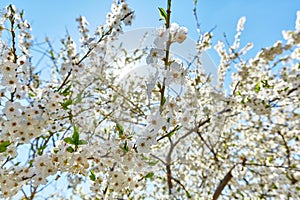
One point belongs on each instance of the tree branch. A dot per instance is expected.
(223, 183)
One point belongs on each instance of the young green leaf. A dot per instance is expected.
(78, 98)
(159, 85)
(120, 129)
(164, 101)
(188, 195)
(75, 136)
(163, 14)
(124, 147)
(92, 175)
(2, 149)
(3, 146)
(149, 175)
(69, 140)
(52, 54)
(66, 104)
(80, 142)
(66, 91)
(70, 149)
(152, 163)
(257, 87)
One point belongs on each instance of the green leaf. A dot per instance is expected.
(159, 85)
(75, 140)
(286, 89)
(41, 149)
(257, 87)
(288, 176)
(270, 159)
(152, 163)
(266, 84)
(75, 136)
(273, 186)
(149, 175)
(173, 131)
(164, 101)
(69, 140)
(294, 166)
(115, 98)
(70, 149)
(66, 104)
(80, 142)
(4, 145)
(198, 80)
(188, 195)
(124, 147)
(2, 149)
(169, 119)
(120, 129)
(92, 175)
(163, 14)
(52, 54)
(240, 193)
(31, 94)
(66, 91)
(78, 98)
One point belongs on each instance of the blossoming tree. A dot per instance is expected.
(141, 138)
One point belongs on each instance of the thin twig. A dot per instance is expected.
(156, 157)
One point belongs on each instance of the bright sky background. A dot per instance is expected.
(265, 18)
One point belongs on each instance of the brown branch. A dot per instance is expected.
(46, 141)
(33, 193)
(13, 36)
(287, 147)
(176, 128)
(106, 188)
(172, 147)
(166, 59)
(204, 141)
(235, 88)
(223, 183)
(288, 151)
(169, 177)
(293, 90)
(13, 48)
(100, 39)
(270, 166)
(65, 81)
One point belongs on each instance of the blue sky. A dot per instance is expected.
(265, 18)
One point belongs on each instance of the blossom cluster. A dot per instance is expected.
(171, 134)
